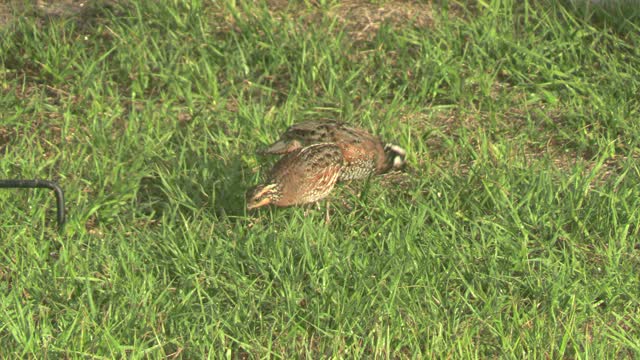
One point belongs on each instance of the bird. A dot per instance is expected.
(301, 176)
(363, 153)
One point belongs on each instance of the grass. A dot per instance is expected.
(513, 233)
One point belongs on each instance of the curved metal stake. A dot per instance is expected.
(32, 184)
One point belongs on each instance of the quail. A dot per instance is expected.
(304, 175)
(363, 153)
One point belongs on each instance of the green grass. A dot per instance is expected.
(514, 232)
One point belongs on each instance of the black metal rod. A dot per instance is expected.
(32, 184)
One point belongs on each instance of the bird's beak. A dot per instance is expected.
(259, 198)
(253, 204)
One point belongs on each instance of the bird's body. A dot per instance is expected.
(363, 153)
(304, 175)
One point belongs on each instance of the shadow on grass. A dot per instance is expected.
(210, 186)
(623, 16)
(187, 194)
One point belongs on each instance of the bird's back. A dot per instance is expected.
(308, 174)
(363, 153)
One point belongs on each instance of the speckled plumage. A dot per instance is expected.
(363, 153)
(305, 175)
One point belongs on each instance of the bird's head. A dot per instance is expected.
(395, 156)
(262, 195)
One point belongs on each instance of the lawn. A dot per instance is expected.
(513, 232)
